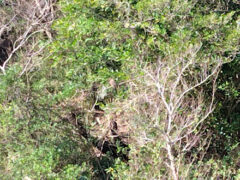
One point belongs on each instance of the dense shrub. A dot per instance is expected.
(168, 68)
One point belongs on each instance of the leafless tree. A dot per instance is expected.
(173, 88)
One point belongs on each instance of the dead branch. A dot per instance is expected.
(38, 16)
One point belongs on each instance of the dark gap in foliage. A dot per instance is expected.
(5, 49)
(105, 146)
(105, 13)
(225, 123)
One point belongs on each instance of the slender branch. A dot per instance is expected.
(23, 39)
(196, 85)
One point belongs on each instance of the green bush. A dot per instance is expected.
(154, 50)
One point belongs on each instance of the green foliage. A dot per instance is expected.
(99, 40)
(226, 120)
(91, 49)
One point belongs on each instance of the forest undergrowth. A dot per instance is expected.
(119, 89)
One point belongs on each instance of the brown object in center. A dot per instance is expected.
(112, 83)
